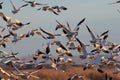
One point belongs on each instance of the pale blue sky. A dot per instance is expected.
(100, 16)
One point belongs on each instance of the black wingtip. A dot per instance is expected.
(104, 33)
(88, 28)
(81, 21)
(81, 44)
(56, 13)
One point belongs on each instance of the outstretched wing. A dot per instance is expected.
(77, 27)
(48, 33)
(91, 33)
(13, 5)
(23, 6)
(58, 43)
(104, 33)
(67, 29)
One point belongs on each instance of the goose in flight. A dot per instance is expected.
(59, 8)
(114, 48)
(33, 3)
(77, 47)
(36, 31)
(98, 38)
(18, 23)
(16, 10)
(71, 34)
(94, 39)
(62, 52)
(48, 8)
(58, 43)
(67, 28)
(3, 36)
(98, 41)
(32, 33)
(10, 23)
(45, 55)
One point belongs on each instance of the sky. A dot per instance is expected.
(100, 16)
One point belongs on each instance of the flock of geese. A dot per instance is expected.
(99, 44)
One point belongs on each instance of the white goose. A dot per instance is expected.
(16, 22)
(71, 34)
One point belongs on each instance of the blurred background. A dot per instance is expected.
(100, 16)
